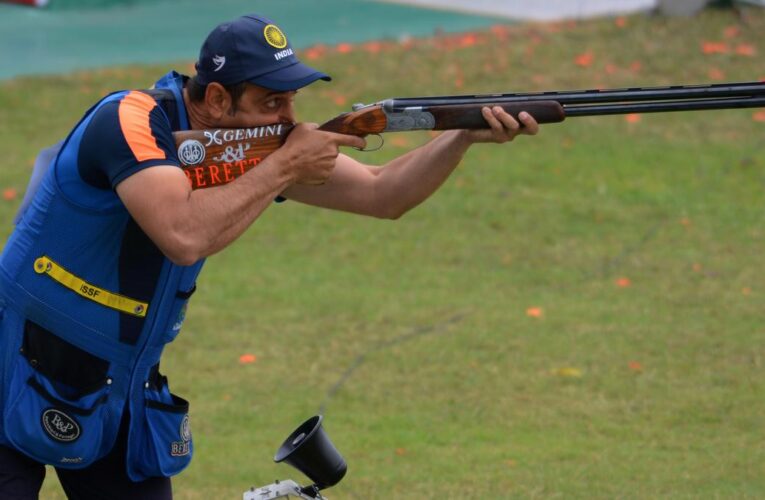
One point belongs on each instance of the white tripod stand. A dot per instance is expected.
(281, 489)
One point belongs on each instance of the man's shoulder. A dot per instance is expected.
(128, 131)
(129, 108)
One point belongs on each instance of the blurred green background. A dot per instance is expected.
(574, 315)
(79, 34)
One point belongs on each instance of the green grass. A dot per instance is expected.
(461, 394)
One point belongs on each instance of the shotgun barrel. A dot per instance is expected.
(607, 101)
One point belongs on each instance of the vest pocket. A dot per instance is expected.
(65, 430)
(164, 446)
(56, 409)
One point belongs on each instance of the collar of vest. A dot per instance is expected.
(174, 81)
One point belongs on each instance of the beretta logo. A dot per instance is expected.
(185, 428)
(60, 426)
(182, 447)
(191, 152)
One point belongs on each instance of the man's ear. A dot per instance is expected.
(217, 100)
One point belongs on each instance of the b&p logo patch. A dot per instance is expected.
(60, 426)
(274, 37)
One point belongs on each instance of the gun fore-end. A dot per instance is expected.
(469, 116)
(362, 122)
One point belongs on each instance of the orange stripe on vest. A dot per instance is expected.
(134, 120)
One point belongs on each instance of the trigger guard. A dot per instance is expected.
(379, 146)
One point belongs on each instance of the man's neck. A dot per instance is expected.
(197, 119)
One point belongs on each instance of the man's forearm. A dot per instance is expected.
(225, 212)
(408, 180)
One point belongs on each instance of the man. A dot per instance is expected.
(108, 245)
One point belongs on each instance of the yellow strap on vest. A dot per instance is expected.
(44, 265)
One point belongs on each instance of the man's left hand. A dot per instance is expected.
(504, 128)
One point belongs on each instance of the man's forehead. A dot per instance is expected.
(259, 92)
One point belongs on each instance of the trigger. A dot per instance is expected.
(379, 146)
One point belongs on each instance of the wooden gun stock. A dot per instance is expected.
(215, 157)
(369, 120)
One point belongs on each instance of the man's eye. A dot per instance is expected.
(272, 104)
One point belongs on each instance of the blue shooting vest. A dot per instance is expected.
(87, 303)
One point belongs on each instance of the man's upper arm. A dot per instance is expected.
(128, 146)
(154, 196)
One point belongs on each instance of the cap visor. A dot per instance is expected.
(290, 78)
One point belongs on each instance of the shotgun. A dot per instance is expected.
(214, 157)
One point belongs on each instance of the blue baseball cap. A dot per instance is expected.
(253, 49)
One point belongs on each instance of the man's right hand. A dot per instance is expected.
(309, 154)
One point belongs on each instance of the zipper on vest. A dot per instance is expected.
(151, 332)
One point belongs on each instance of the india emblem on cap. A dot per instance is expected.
(275, 37)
